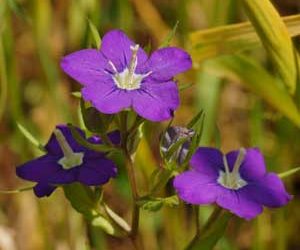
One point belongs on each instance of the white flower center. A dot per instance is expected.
(70, 159)
(233, 180)
(128, 79)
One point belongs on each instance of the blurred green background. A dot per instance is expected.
(35, 34)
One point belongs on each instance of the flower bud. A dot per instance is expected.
(175, 144)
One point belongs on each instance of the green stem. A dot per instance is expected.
(89, 234)
(135, 196)
(209, 224)
(106, 140)
(3, 92)
(197, 224)
(213, 218)
(131, 177)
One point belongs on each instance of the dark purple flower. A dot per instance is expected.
(237, 181)
(66, 161)
(120, 75)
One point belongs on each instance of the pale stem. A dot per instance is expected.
(133, 61)
(113, 67)
(239, 160)
(227, 170)
(64, 145)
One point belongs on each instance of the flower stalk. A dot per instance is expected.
(210, 224)
(133, 234)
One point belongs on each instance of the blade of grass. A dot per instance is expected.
(275, 38)
(245, 70)
(96, 39)
(232, 38)
(3, 73)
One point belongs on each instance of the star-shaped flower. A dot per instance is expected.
(237, 181)
(66, 162)
(120, 75)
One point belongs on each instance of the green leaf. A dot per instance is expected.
(150, 204)
(196, 119)
(171, 201)
(154, 204)
(94, 34)
(30, 137)
(256, 78)
(82, 199)
(174, 147)
(85, 201)
(166, 42)
(134, 139)
(275, 38)
(197, 124)
(233, 38)
(289, 173)
(159, 178)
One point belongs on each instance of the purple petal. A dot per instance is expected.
(239, 203)
(38, 169)
(253, 166)
(269, 191)
(64, 176)
(196, 188)
(97, 172)
(156, 102)
(86, 66)
(115, 47)
(207, 160)
(110, 102)
(43, 189)
(165, 63)
(114, 136)
(53, 147)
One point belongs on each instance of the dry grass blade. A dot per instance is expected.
(232, 38)
(256, 78)
(275, 38)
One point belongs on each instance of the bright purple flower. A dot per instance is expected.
(237, 181)
(120, 75)
(66, 161)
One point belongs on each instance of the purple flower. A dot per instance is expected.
(237, 181)
(66, 161)
(120, 75)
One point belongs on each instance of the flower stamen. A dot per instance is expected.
(133, 61)
(239, 161)
(128, 79)
(233, 180)
(70, 159)
(113, 67)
